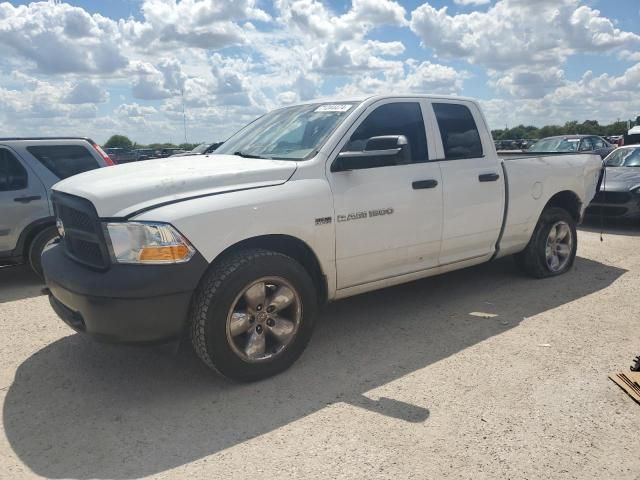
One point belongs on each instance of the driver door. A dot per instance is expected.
(388, 207)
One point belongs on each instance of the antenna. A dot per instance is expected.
(184, 117)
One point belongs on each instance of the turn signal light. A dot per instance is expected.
(173, 253)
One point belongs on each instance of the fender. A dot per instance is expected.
(18, 254)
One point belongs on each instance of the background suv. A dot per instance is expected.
(28, 169)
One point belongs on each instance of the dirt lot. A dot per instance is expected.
(401, 383)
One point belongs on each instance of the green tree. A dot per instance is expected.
(119, 141)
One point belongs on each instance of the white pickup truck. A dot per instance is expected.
(307, 204)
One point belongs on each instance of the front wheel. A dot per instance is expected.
(553, 245)
(39, 244)
(253, 314)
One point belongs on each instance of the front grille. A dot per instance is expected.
(615, 198)
(83, 240)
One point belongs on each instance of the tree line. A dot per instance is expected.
(122, 141)
(589, 127)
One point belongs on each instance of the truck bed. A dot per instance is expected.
(514, 155)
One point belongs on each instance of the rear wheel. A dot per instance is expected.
(38, 245)
(253, 314)
(553, 245)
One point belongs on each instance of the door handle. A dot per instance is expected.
(420, 184)
(488, 177)
(27, 199)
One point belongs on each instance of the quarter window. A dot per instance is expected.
(13, 175)
(402, 118)
(460, 136)
(64, 160)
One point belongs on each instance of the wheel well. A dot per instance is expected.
(292, 247)
(567, 200)
(30, 232)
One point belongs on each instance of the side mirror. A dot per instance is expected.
(379, 151)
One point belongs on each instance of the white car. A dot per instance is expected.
(308, 204)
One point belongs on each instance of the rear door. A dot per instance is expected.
(472, 181)
(388, 210)
(23, 198)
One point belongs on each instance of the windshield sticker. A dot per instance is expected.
(340, 108)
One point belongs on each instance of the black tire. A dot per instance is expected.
(532, 259)
(37, 246)
(215, 296)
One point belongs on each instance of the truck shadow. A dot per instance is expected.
(78, 409)
(611, 226)
(17, 283)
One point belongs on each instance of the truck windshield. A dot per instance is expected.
(556, 145)
(292, 133)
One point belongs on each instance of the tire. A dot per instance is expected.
(533, 259)
(38, 245)
(221, 289)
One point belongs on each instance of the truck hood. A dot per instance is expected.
(122, 190)
(621, 179)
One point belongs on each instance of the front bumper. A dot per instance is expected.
(624, 205)
(126, 303)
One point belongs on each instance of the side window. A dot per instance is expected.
(460, 136)
(598, 143)
(13, 175)
(64, 160)
(402, 118)
(586, 145)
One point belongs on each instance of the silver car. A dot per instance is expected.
(28, 169)
(619, 195)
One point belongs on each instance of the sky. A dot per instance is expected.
(102, 67)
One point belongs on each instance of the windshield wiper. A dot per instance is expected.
(246, 155)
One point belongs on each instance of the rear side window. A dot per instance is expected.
(460, 136)
(13, 175)
(64, 160)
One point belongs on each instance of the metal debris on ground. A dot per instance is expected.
(629, 382)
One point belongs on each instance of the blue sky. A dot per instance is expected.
(97, 67)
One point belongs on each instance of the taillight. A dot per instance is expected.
(103, 154)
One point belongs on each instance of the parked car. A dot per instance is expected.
(309, 203)
(202, 149)
(619, 195)
(507, 145)
(144, 154)
(167, 152)
(121, 155)
(28, 169)
(573, 143)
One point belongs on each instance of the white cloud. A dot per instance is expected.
(414, 77)
(59, 38)
(471, 2)
(134, 110)
(605, 98)
(229, 61)
(86, 91)
(525, 82)
(518, 32)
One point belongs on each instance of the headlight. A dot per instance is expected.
(137, 242)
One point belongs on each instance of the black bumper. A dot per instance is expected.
(126, 303)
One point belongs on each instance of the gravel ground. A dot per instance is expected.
(400, 383)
